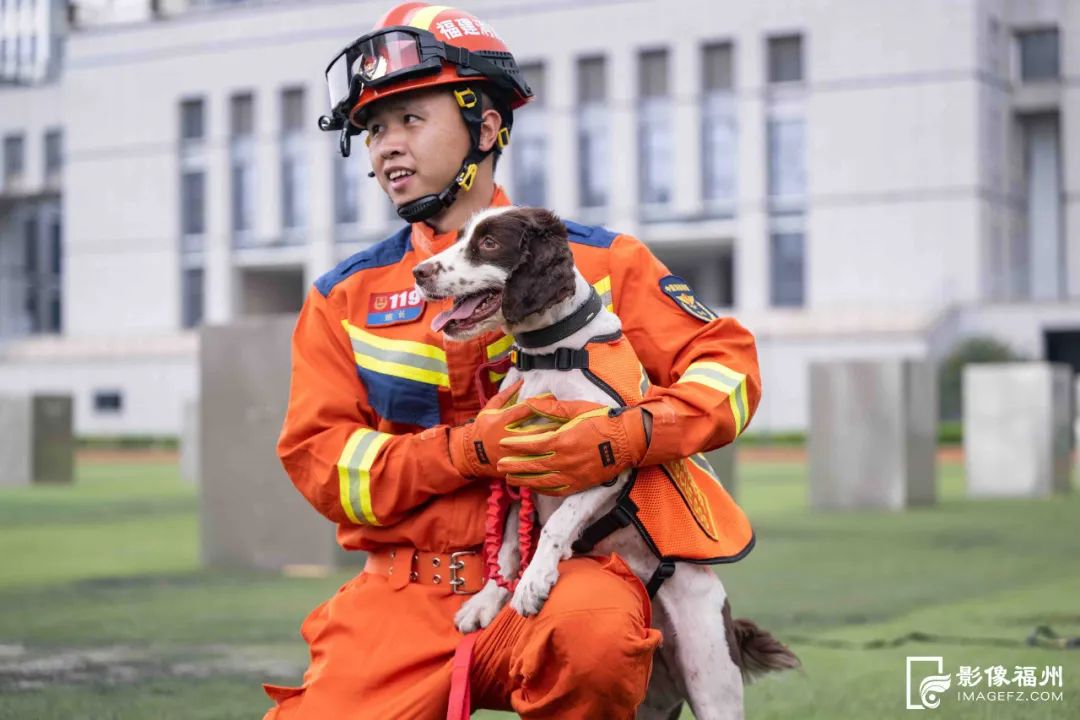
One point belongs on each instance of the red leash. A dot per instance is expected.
(499, 499)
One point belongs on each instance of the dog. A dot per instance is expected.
(512, 267)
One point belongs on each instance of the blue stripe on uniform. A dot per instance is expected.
(593, 235)
(401, 400)
(383, 253)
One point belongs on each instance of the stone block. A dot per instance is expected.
(189, 441)
(37, 444)
(251, 515)
(1017, 429)
(872, 438)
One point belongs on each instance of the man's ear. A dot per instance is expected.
(490, 122)
(544, 274)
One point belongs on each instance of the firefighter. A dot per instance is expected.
(384, 435)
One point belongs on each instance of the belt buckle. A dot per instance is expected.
(455, 565)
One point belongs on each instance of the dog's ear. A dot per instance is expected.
(544, 274)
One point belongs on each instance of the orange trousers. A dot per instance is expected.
(387, 654)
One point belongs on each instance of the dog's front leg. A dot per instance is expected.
(556, 541)
(479, 610)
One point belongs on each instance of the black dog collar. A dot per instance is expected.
(565, 327)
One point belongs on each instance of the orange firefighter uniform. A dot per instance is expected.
(366, 440)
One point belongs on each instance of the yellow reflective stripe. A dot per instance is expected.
(499, 347)
(431, 377)
(708, 367)
(425, 16)
(494, 351)
(726, 381)
(354, 474)
(603, 289)
(643, 381)
(739, 404)
(406, 346)
(399, 358)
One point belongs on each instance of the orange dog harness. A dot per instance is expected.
(681, 509)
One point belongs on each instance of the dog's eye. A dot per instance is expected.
(488, 243)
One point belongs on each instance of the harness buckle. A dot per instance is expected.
(564, 359)
(455, 565)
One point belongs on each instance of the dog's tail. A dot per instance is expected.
(754, 650)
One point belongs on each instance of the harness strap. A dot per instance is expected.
(616, 518)
(561, 359)
(460, 705)
(663, 571)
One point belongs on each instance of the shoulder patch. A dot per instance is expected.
(680, 291)
(385, 252)
(593, 235)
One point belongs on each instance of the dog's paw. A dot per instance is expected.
(533, 589)
(479, 610)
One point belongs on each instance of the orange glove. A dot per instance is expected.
(593, 445)
(474, 446)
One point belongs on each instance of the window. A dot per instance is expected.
(529, 142)
(293, 161)
(191, 297)
(53, 150)
(1039, 52)
(241, 162)
(30, 242)
(787, 162)
(193, 202)
(242, 116)
(593, 134)
(719, 131)
(192, 128)
(56, 247)
(292, 110)
(108, 401)
(786, 269)
(655, 141)
(785, 59)
(13, 157)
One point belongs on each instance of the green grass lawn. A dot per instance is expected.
(105, 612)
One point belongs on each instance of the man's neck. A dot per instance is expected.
(465, 204)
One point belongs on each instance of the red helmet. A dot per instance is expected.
(417, 45)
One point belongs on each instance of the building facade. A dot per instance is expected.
(850, 179)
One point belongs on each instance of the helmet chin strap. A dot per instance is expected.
(425, 207)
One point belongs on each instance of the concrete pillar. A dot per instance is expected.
(37, 444)
(872, 434)
(251, 516)
(1017, 429)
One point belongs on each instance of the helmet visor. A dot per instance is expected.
(391, 54)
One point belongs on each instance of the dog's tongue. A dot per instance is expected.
(460, 311)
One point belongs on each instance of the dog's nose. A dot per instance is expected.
(424, 272)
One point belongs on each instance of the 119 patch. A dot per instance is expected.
(394, 308)
(680, 291)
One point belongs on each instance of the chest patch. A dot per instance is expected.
(683, 295)
(394, 308)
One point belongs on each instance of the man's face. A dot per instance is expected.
(417, 142)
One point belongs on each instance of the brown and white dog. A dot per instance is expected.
(513, 268)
